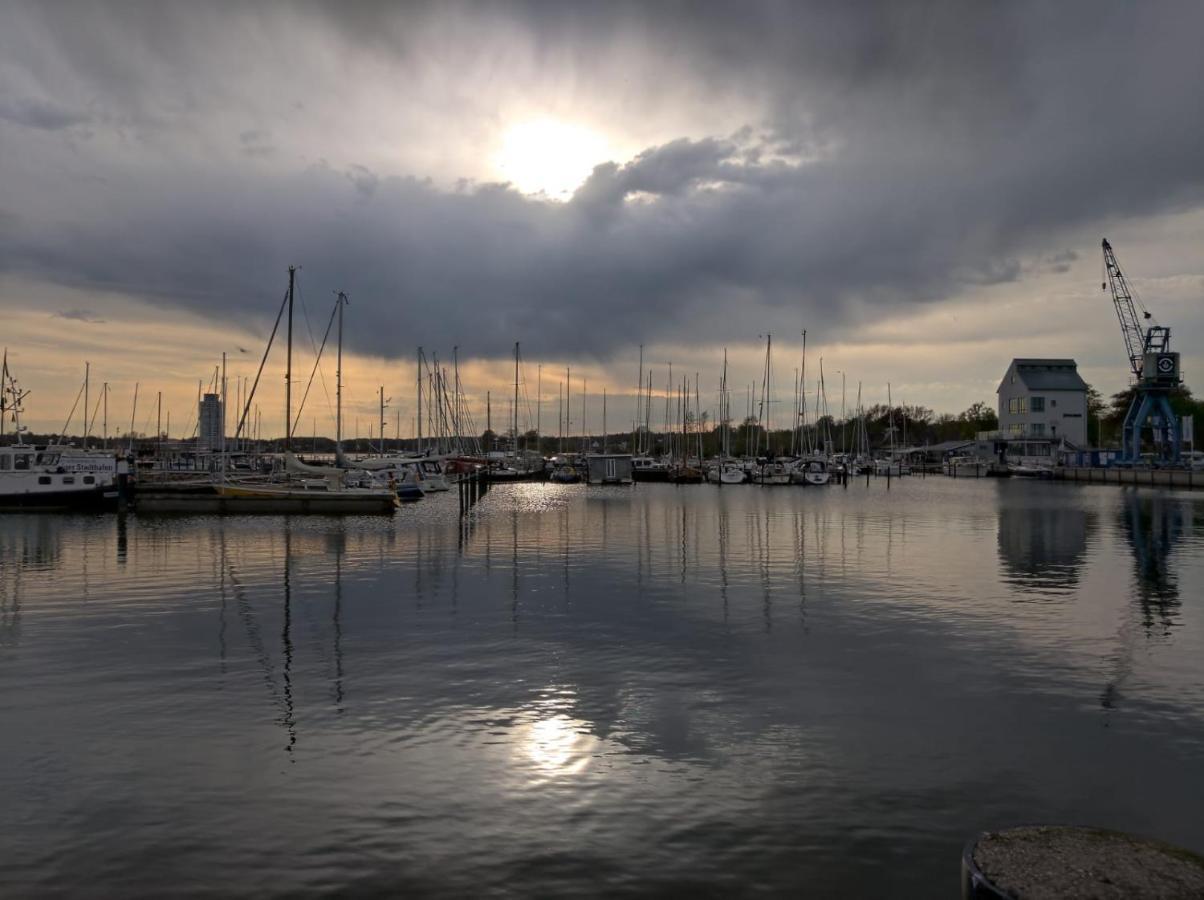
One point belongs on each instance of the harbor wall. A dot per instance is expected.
(1178, 478)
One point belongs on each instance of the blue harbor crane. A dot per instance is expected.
(1155, 370)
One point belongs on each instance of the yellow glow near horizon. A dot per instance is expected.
(549, 157)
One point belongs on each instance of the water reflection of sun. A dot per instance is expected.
(558, 745)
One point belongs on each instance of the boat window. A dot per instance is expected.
(68, 479)
(48, 459)
(21, 461)
(89, 479)
(43, 479)
(5, 462)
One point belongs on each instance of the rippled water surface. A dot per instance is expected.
(582, 691)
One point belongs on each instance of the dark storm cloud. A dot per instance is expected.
(899, 154)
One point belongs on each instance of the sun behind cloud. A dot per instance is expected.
(549, 156)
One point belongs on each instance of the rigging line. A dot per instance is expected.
(317, 360)
(71, 414)
(95, 410)
(312, 346)
(250, 397)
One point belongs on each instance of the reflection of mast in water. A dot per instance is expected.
(255, 639)
(764, 551)
(800, 556)
(221, 611)
(1152, 525)
(723, 527)
(682, 532)
(286, 641)
(564, 545)
(122, 539)
(337, 616)
(10, 609)
(514, 564)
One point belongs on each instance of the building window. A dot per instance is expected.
(1072, 415)
(1015, 428)
(1053, 404)
(1038, 429)
(1037, 404)
(1018, 406)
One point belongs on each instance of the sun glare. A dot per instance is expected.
(549, 157)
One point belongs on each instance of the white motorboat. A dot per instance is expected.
(811, 472)
(54, 477)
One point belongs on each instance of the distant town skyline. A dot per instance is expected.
(922, 188)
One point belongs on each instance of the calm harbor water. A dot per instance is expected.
(594, 691)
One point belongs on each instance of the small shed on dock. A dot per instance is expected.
(608, 468)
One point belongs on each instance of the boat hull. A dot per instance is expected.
(101, 497)
(265, 500)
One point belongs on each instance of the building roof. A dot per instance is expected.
(1048, 374)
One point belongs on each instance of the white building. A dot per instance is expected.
(1043, 398)
(210, 415)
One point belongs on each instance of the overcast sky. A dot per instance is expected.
(922, 187)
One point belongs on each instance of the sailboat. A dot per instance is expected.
(726, 470)
(325, 490)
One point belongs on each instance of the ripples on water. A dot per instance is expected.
(583, 691)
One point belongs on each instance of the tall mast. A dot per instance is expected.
(516, 399)
(639, 396)
(724, 417)
(538, 406)
(288, 370)
(87, 372)
(560, 414)
(223, 417)
(604, 445)
(568, 407)
(456, 411)
(338, 383)
(382, 420)
(3, 392)
(419, 401)
(584, 432)
(105, 421)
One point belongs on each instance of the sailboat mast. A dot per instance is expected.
(455, 411)
(516, 399)
(338, 380)
(288, 369)
(419, 435)
(639, 396)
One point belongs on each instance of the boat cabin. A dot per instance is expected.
(609, 468)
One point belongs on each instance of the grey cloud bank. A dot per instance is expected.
(894, 155)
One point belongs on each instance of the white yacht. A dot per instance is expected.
(811, 472)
